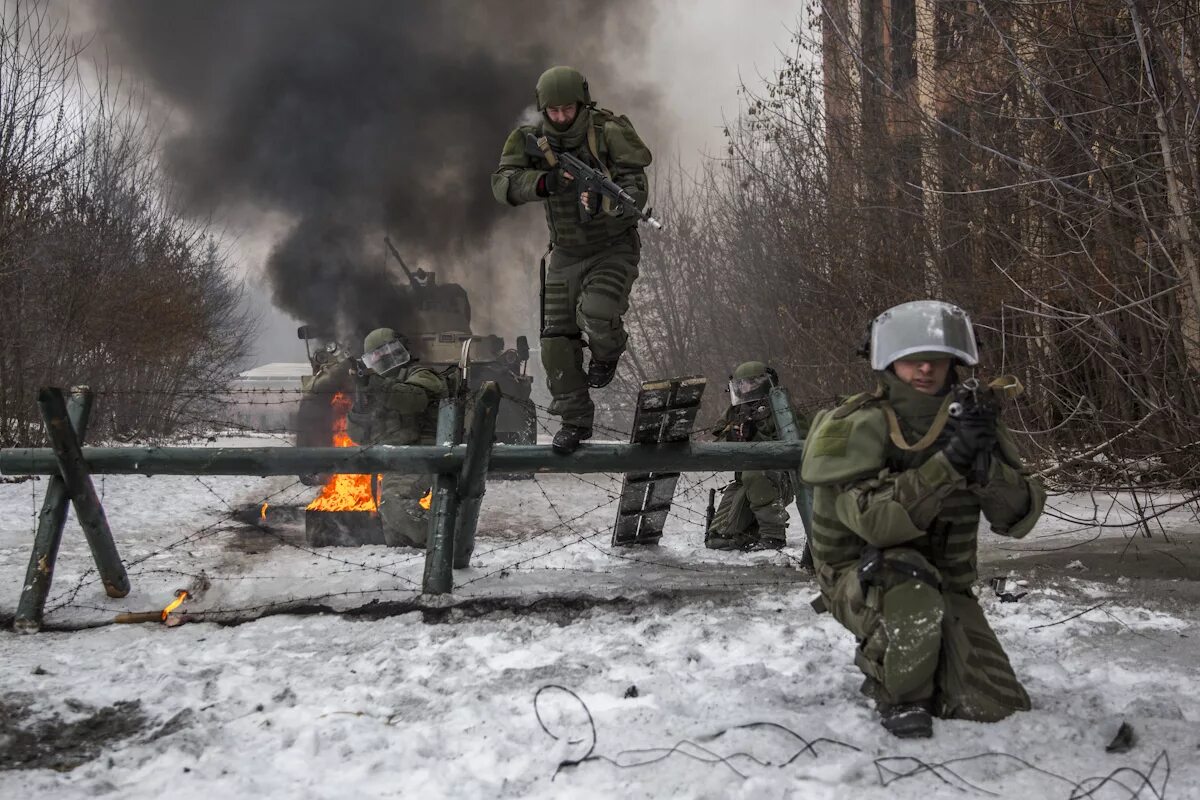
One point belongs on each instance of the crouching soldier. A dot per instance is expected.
(901, 476)
(396, 402)
(752, 514)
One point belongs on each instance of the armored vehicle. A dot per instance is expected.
(436, 328)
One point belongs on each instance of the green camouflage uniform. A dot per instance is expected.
(592, 264)
(922, 636)
(402, 409)
(753, 509)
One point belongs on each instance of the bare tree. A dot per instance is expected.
(101, 282)
(1034, 162)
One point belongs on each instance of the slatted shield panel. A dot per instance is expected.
(666, 412)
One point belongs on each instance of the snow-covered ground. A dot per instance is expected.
(677, 671)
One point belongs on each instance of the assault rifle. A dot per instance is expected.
(972, 398)
(588, 179)
(746, 420)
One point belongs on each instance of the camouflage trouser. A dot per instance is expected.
(584, 297)
(919, 644)
(752, 508)
(405, 523)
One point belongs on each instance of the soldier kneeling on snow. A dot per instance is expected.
(752, 514)
(396, 402)
(901, 476)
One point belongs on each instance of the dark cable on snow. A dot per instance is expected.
(683, 747)
(1080, 790)
(889, 769)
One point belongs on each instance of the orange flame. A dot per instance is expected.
(344, 492)
(180, 596)
(427, 500)
(263, 514)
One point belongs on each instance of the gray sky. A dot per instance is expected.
(700, 48)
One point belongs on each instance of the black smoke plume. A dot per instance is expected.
(356, 119)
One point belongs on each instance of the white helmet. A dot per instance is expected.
(923, 326)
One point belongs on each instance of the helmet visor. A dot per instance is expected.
(924, 326)
(747, 390)
(387, 357)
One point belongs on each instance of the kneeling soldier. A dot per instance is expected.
(396, 402)
(901, 476)
(752, 514)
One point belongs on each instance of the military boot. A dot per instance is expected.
(767, 540)
(600, 372)
(727, 541)
(907, 720)
(568, 438)
(765, 544)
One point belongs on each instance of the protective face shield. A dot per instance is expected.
(923, 326)
(387, 357)
(749, 389)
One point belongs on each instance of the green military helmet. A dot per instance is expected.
(562, 86)
(384, 351)
(751, 381)
(377, 337)
(750, 369)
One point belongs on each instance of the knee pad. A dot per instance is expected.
(562, 358)
(599, 309)
(912, 613)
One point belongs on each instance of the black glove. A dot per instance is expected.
(362, 376)
(554, 182)
(975, 433)
(743, 430)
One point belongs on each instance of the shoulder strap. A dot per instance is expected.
(547, 153)
(897, 436)
(854, 403)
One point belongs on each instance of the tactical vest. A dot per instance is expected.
(567, 231)
(950, 542)
(759, 423)
(390, 427)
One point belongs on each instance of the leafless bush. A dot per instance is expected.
(100, 282)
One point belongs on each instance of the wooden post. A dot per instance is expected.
(40, 573)
(439, 552)
(78, 480)
(789, 431)
(472, 482)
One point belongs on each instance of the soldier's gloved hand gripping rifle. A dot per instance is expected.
(976, 408)
(362, 381)
(588, 179)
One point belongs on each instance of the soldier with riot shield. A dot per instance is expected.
(594, 245)
(902, 475)
(752, 514)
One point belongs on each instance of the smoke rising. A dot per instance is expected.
(357, 119)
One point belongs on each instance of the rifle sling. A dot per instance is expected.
(605, 200)
(897, 436)
(543, 144)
